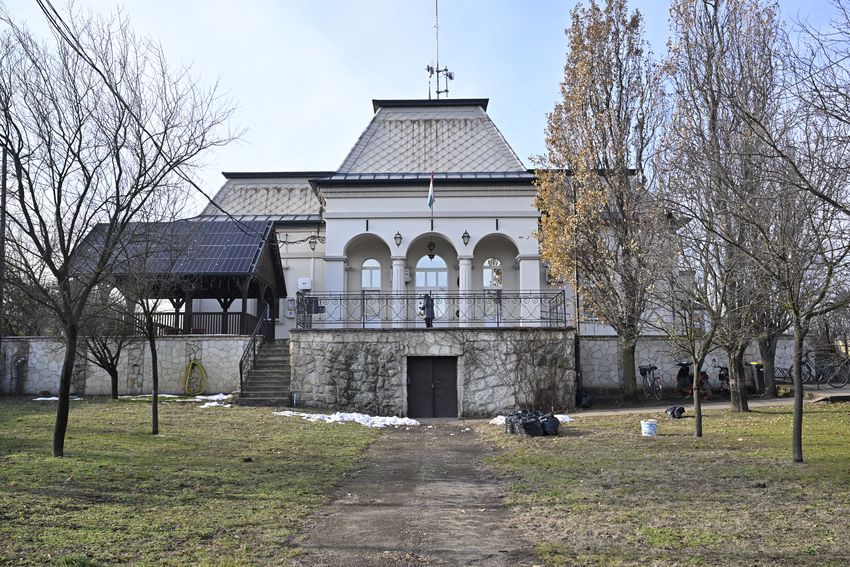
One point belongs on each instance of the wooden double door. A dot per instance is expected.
(432, 386)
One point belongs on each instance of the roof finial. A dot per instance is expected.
(431, 70)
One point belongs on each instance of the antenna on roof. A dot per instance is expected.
(432, 70)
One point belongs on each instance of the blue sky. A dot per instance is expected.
(304, 72)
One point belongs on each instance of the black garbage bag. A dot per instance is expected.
(676, 412)
(585, 400)
(550, 424)
(532, 427)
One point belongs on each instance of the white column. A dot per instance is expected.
(398, 305)
(529, 281)
(465, 287)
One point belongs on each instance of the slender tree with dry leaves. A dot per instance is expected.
(600, 226)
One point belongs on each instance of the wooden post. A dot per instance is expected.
(225, 303)
(188, 326)
(244, 286)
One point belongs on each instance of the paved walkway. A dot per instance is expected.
(424, 497)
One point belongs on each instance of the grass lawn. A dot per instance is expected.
(603, 495)
(221, 486)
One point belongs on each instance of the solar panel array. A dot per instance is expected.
(192, 246)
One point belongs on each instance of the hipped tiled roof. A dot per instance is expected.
(431, 136)
(263, 195)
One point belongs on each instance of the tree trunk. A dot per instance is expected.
(155, 379)
(63, 407)
(697, 401)
(737, 380)
(113, 378)
(629, 381)
(767, 350)
(796, 373)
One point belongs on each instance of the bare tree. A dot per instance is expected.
(146, 272)
(723, 65)
(107, 328)
(97, 126)
(599, 222)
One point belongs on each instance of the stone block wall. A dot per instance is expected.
(601, 362)
(497, 369)
(29, 365)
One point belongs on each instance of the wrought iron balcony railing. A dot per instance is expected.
(472, 309)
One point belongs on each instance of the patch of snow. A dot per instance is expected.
(213, 397)
(214, 405)
(361, 418)
(142, 396)
(498, 420)
(53, 399)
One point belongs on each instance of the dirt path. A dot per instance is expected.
(424, 497)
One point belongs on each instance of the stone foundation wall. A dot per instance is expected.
(29, 365)
(601, 362)
(497, 370)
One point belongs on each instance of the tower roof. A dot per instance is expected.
(423, 136)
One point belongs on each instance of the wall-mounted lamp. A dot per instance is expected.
(312, 242)
(465, 237)
(397, 238)
(431, 249)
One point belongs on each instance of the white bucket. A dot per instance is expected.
(648, 427)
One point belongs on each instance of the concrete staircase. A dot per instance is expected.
(267, 383)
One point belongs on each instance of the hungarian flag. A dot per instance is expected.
(431, 193)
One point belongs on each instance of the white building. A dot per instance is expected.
(364, 246)
(366, 236)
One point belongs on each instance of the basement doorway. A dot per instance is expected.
(432, 386)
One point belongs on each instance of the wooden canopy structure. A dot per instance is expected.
(222, 258)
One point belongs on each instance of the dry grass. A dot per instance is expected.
(219, 486)
(603, 495)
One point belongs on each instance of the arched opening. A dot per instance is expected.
(370, 283)
(495, 260)
(432, 278)
(368, 264)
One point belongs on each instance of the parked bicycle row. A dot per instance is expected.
(714, 381)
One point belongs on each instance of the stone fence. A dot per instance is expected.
(31, 365)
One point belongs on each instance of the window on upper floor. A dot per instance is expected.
(370, 274)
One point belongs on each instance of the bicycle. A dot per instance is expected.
(651, 382)
(839, 376)
(723, 389)
(685, 382)
(782, 375)
(834, 375)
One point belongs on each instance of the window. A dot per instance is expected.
(431, 274)
(370, 274)
(492, 273)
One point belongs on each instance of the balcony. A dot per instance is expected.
(200, 323)
(375, 310)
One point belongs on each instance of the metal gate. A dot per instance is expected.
(432, 386)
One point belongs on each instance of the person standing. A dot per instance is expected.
(428, 310)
